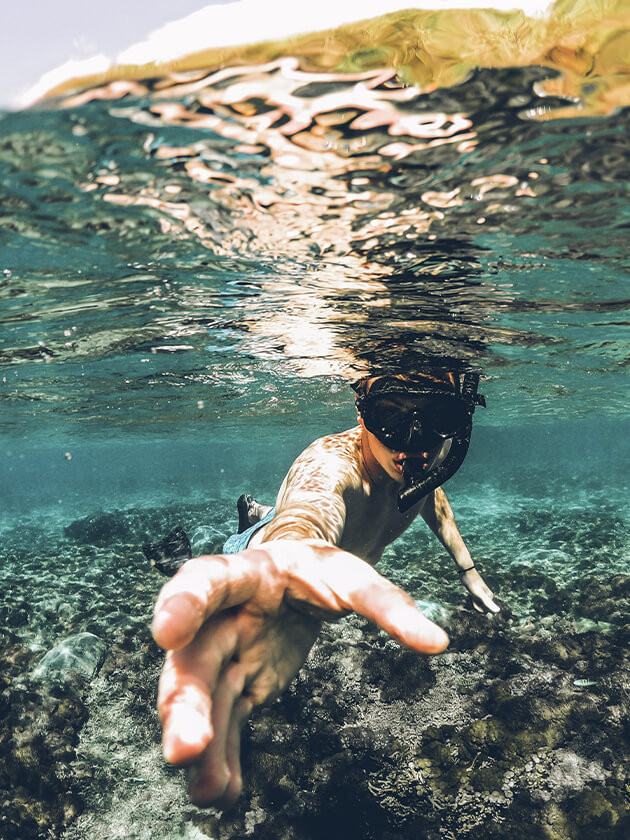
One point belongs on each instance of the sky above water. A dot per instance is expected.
(40, 37)
(38, 41)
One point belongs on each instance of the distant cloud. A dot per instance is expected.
(83, 45)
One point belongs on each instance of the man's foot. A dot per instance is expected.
(242, 505)
(249, 512)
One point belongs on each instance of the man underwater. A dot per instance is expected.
(238, 626)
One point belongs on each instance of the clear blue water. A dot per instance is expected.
(192, 271)
(188, 286)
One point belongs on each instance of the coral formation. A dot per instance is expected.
(39, 730)
(493, 737)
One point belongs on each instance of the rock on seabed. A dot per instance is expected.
(40, 721)
(81, 654)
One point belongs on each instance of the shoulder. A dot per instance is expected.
(338, 450)
(342, 445)
(311, 501)
(332, 460)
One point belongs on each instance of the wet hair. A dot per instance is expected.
(440, 378)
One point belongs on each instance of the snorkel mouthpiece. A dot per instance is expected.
(417, 485)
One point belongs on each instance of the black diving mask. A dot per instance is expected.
(407, 417)
(414, 425)
(413, 417)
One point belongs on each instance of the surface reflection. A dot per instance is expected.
(230, 227)
(317, 185)
(585, 48)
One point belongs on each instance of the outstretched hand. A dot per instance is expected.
(237, 629)
(480, 592)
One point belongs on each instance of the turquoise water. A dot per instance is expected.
(546, 498)
(190, 277)
(188, 289)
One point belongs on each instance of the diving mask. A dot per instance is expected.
(410, 416)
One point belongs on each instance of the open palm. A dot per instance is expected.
(237, 629)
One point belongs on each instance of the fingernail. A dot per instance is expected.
(441, 639)
(430, 637)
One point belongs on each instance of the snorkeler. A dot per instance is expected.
(238, 626)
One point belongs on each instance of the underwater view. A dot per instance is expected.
(197, 260)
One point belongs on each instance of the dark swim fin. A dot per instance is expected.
(169, 554)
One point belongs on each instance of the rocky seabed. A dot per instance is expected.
(519, 731)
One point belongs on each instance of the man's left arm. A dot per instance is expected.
(438, 514)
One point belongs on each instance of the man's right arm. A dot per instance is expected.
(310, 503)
(238, 627)
(234, 641)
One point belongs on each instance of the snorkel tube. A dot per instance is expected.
(418, 485)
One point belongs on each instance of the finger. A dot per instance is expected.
(211, 777)
(186, 685)
(347, 582)
(394, 611)
(202, 587)
(490, 605)
(185, 715)
(485, 597)
(240, 713)
(484, 604)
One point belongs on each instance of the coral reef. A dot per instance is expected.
(512, 734)
(518, 732)
(39, 730)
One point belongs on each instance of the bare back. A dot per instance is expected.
(329, 495)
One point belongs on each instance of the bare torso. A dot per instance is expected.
(329, 494)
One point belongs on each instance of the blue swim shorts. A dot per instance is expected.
(239, 542)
